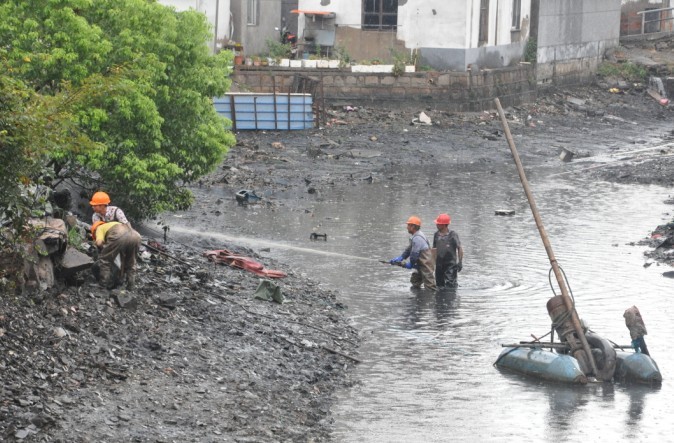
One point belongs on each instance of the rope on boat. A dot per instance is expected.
(554, 325)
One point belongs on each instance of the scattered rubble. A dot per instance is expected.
(189, 356)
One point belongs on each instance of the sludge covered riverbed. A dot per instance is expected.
(426, 371)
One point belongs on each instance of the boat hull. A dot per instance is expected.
(638, 368)
(539, 363)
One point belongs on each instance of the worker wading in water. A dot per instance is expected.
(114, 238)
(420, 256)
(449, 261)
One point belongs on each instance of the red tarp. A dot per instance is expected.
(228, 258)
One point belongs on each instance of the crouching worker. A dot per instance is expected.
(114, 238)
(420, 257)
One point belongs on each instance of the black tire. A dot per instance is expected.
(605, 356)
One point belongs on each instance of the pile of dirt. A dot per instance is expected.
(190, 355)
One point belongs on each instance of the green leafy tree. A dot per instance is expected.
(32, 128)
(157, 126)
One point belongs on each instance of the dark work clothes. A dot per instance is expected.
(446, 263)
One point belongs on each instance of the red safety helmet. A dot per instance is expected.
(443, 219)
(100, 198)
(414, 220)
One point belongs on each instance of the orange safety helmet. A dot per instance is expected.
(100, 198)
(414, 220)
(95, 226)
(443, 219)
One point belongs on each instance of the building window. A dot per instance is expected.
(517, 14)
(252, 12)
(380, 14)
(484, 23)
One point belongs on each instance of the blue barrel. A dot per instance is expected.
(637, 367)
(541, 363)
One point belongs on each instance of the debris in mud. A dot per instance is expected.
(83, 363)
(504, 212)
(422, 119)
(566, 155)
(246, 196)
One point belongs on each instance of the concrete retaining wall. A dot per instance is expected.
(573, 36)
(453, 91)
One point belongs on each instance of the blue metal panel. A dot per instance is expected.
(249, 111)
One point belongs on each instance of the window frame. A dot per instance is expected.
(252, 9)
(483, 32)
(380, 14)
(516, 24)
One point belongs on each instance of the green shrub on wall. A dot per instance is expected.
(531, 51)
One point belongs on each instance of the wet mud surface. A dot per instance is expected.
(194, 357)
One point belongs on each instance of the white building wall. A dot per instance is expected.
(209, 8)
(573, 36)
(348, 12)
(445, 31)
(433, 23)
(500, 22)
(571, 29)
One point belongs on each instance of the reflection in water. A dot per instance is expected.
(637, 404)
(569, 404)
(432, 310)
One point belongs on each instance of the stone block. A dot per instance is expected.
(371, 80)
(125, 300)
(388, 81)
(398, 92)
(418, 82)
(168, 301)
(74, 261)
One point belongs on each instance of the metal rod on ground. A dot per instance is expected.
(159, 251)
(546, 242)
(553, 345)
(232, 110)
(273, 87)
(334, 351)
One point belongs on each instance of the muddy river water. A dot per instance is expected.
(427, 373)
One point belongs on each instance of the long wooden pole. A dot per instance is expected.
(546, 242)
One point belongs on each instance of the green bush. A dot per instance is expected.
(400, 60)
(628, 71)
(531, 50)
(343, 56)
(278, 50)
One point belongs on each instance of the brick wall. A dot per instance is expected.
(453, 91)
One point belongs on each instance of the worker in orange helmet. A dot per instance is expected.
(449, 261)
(420, 256)
(100, 203)
(115, 238)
